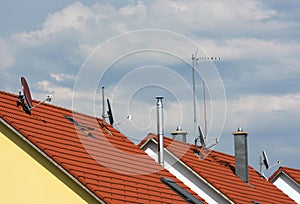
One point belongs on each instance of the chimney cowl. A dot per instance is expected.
(240, 131)
(179, 134)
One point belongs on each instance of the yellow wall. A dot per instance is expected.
(27, 177)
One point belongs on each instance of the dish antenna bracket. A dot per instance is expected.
(202, 139)
(263, 161)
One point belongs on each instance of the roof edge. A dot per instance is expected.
(147, 140)
(51, 160)
(279, 171)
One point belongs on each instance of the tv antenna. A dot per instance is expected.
(195, 59)
(25, 100)
(263, 161)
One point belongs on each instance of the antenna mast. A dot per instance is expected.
(204, 107)
(194, 60)
(104, 114)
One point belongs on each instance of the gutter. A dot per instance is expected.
(190, 169)
(51, 160)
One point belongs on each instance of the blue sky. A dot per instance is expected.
(93, 43)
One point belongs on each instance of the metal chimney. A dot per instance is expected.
(241, 154)
(179, 134)
(160, 130)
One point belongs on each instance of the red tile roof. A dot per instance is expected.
(294, 174)
(218, 169)
(107, 164)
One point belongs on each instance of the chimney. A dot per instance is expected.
(241, 154)
(179, 134)
(160, 130)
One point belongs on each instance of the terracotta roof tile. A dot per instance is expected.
(291, 172)
(109, 164)
(218, 169)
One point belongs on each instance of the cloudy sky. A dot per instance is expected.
(141, 49)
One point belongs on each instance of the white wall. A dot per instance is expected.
(186, 176)
(288, 187)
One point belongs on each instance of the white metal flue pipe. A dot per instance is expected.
(160, 130)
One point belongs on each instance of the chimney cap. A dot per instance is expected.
(240, 131)
(178, 130)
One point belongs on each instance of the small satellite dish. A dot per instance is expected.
(202, 140)
(25, 100)
(265, 159)
(109, 113)
(26, 92)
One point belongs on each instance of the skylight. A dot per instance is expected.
(84, 129)
(189, 198)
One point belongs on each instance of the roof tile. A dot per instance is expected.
(218, 169)
(291, 172)
(109, 165)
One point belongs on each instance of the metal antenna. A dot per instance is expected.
(104, 113)
(204, 107)
(194, 60)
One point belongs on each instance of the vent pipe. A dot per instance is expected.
(160, 130)
(241, 154)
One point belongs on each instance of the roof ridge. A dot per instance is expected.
(154, 135)
(52, 105)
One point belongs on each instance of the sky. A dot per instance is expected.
(139, 50)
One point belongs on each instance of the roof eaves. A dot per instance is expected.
(190, 169)
(51, 160)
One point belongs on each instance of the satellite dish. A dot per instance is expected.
(26, 97)
(202, 140)
(265, 159)
(26, 92)
(109, 113)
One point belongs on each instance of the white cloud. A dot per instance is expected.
(6, 55)
(73, 18)
(61, 77)
(256, 111)
(257, 41)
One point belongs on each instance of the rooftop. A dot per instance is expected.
(92, 152)
(294, 174)
(218, 169)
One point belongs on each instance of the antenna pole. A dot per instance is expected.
(204, 108)
(104, 116)
(260, 165)
(194, 94)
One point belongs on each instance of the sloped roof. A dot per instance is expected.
(93, 153)
(218, 169)
(294, 174)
